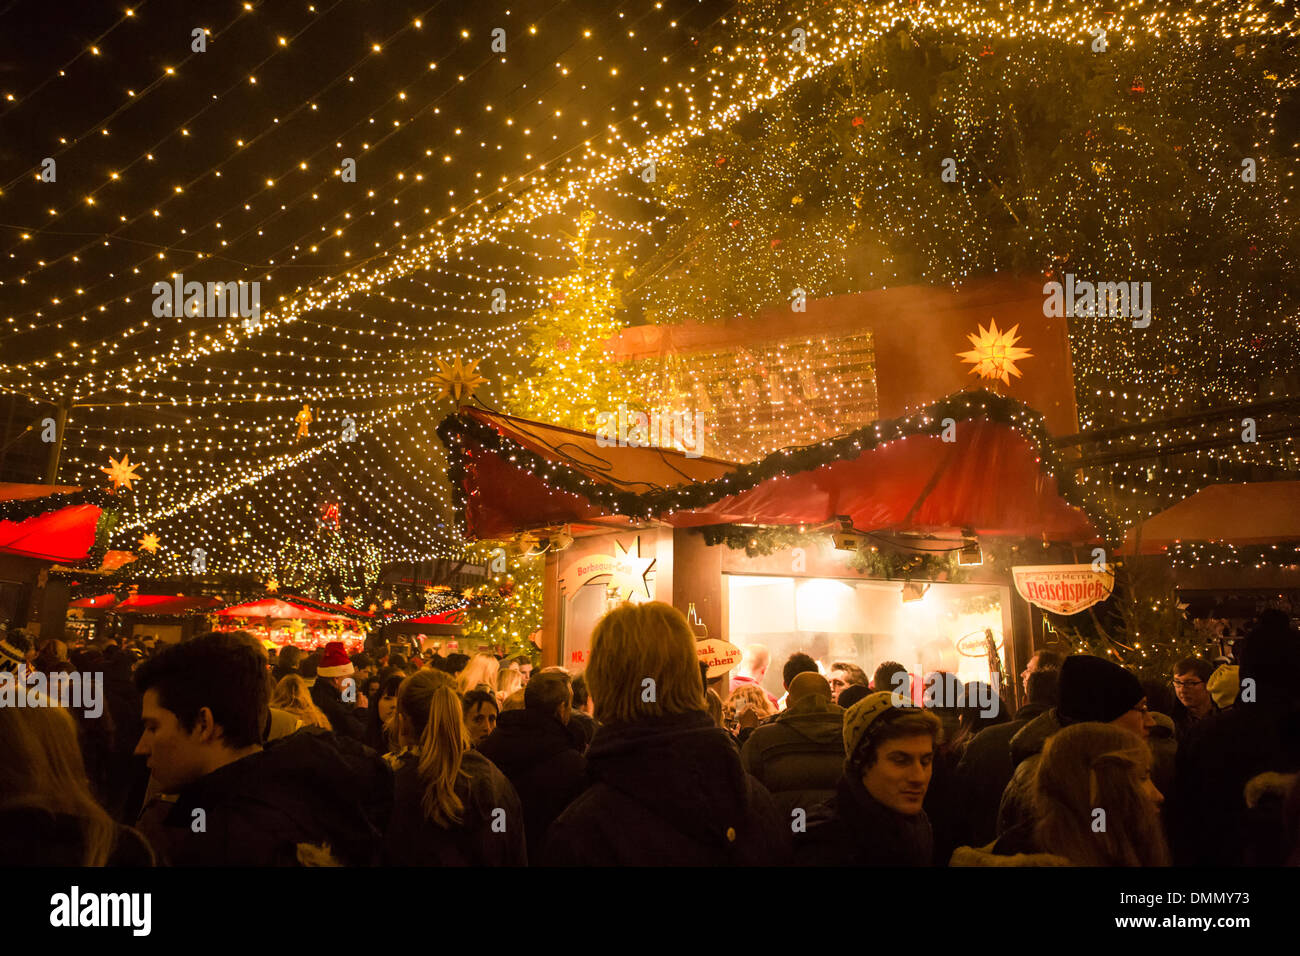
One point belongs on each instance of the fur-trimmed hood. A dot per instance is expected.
(1269, 784)
(984, 856)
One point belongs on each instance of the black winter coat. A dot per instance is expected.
(668, 791)
(1210, 823)
(985, 770)
(491, 833)
(854, 829)
(346, 720)
(309, 787)
(540, 758)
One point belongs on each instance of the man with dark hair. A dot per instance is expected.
(1042, 660)
(533, 748)
(985, 767)
(887, 681)
(1191, 687)
(457, 663)
(205, 707)
(877, 816)
(844, 674)
(797, 663)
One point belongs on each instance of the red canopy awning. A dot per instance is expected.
(57, 523)
(288, 608)
(98, 601)
(1265, 512)
(165, 604)
(996, 476)
(446, 617)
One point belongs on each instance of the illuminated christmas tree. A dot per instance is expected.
(506, 610)
(572, 378)
(950, 145)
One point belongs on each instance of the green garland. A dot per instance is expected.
(892, 565)
(463, 436)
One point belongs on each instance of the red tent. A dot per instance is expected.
(288, 607)
(997, 476)
(1265, 512)
(98, 602)
(53, 522)
(165, 604)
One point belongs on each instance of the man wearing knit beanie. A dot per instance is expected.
(1092, 689)
(877, 815)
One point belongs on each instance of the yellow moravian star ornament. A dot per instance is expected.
(121, 472)
(149, 543)
(995, 354)
(458, 380)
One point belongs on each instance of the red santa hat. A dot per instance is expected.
(334, 663)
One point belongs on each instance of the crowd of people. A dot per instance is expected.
(213, 752)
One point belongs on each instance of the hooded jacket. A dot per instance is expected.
(855, 829)
(310, 787)
(799, 756)
(492, 831)
(541, 760)
(1015, 848)
(668, 791)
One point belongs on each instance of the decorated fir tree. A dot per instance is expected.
(506, 610)
(1142, 626)
(572, 378)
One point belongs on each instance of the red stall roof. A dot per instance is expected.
(99, 601)
(997, 476)
(1265, 512)
(57, 524)
(289, 607)
(165, 604)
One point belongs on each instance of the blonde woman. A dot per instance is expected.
(451, 806)
(668, 788)
(47, 813)
(481, 671)
(293, 696)
(509, 680)
(745, 708)
(1090, 773)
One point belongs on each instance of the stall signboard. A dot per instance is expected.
(625, 568)
(1063, 588)
(718, 656)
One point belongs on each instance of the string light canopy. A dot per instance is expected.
(307, 164)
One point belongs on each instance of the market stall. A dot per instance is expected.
(895, 541)
(1230, 551)
(288, 619)
(42, 526)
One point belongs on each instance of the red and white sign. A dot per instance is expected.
(1063, 588)
(718, 656)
